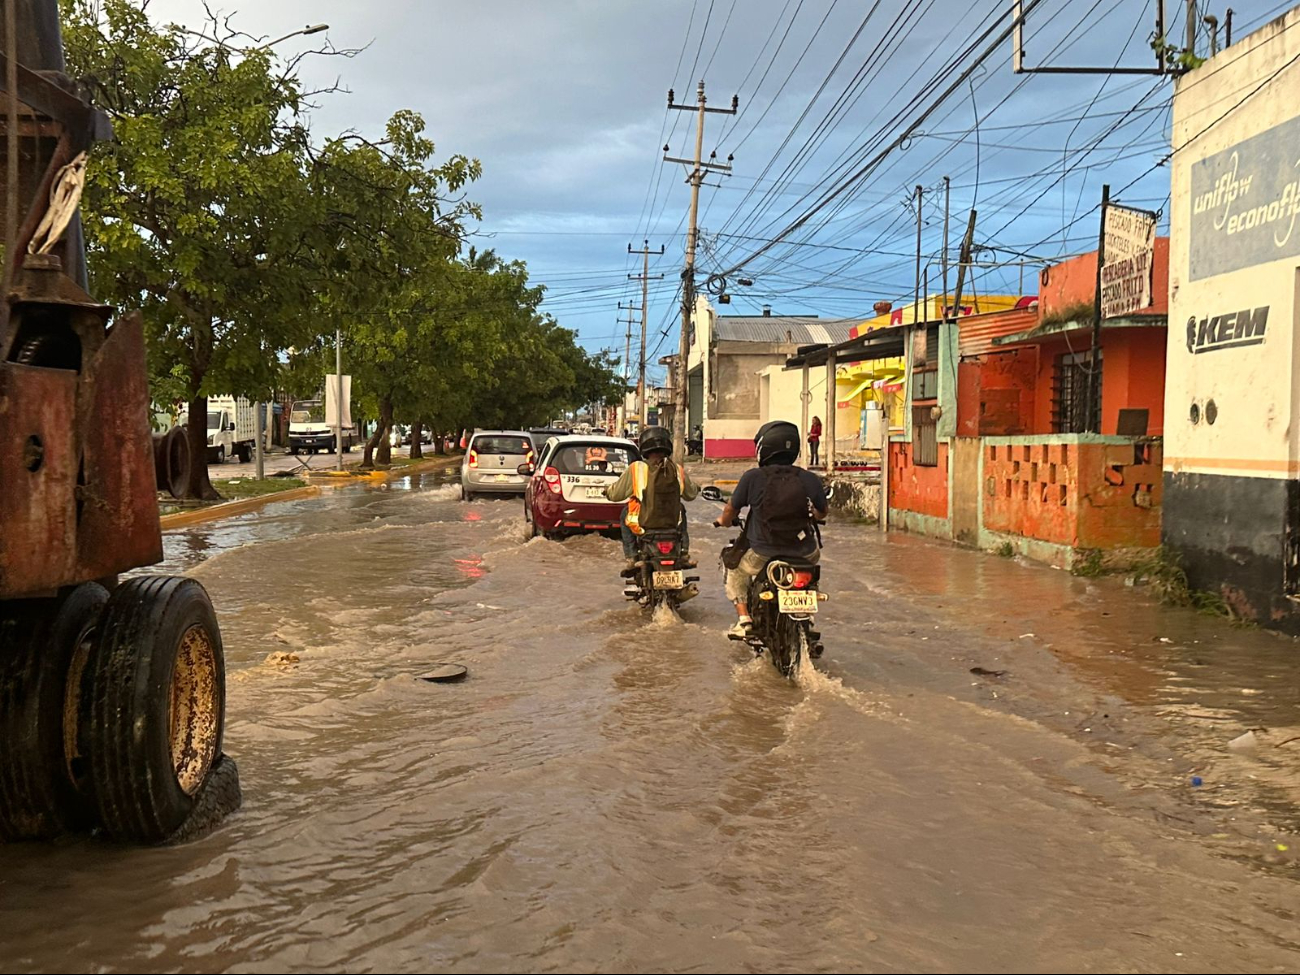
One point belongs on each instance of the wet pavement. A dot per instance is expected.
(611, 793)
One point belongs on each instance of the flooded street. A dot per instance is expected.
(611, 793)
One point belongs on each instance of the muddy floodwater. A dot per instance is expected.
(611, 793)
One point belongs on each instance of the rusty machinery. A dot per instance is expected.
(112, 694)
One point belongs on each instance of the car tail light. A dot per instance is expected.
(802, 580)
(552, 478)
(665, 548)
(530, 458)
(473, 458)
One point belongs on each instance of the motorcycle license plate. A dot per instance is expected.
(796, 601)
(669, 580)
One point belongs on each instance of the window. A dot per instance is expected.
(1070, 393)
(502, 445)
(926, 385)
(591, 459)
(925, 440)
(214, 420)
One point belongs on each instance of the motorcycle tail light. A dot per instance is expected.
(665, 548)
(802, 580)
(552, 478)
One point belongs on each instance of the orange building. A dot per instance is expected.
(1000, 448)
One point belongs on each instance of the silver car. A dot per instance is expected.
(492, 461)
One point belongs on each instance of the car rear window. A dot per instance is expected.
(501, 445)
(592, 459)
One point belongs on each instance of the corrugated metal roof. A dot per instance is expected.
(798, 329)
(977, 333)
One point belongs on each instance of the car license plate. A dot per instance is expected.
(797, 601)
(501, 477)
(595, 492)
(669, 580)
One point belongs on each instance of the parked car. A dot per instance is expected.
(565, 494)
(492, 461)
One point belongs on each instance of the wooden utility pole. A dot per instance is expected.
(642, 409)
(696, 177)
(1092, 422)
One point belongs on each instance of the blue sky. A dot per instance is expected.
(564, 101)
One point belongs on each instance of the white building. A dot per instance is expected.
(1232, 397)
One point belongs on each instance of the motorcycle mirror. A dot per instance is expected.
(711, 493)
(830, 491)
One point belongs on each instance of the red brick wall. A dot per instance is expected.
(1080, 495)
(920, 489)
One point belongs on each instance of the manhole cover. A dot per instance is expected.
(445, 674)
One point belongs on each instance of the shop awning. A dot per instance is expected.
(883, 343)
(1051, 330)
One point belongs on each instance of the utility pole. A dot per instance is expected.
(698, 168)
(338, 396)
(1192, 21)
(1092, 422)
(947, 198)
(916, 297)
(642, 409)
(627, 362)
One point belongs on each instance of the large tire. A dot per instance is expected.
(157, 692)
(219, 797)
(177, 446)
(790, 646)
(245, 452)
(44, 646)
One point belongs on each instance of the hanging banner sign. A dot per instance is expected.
(1130, 252)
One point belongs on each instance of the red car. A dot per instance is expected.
(566, 490)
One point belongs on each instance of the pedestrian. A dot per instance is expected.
(814, 440)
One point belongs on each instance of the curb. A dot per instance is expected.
(227, 509)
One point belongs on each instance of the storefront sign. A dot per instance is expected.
(1126, 272)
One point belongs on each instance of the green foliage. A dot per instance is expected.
(1091, 565)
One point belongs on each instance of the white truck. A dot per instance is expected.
(232, 429)
(309, 431)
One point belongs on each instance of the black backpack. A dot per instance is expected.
(783, 512)
(661, 506)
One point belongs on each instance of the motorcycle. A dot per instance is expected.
(783, 601)
(659, 574)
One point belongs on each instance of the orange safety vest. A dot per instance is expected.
(640, 480)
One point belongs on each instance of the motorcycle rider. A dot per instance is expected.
(654, 469)
(783, 500)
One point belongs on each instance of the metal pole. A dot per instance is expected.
(338, 396)
(805, 399)
(259, 432)
(916, 295)
(1191, 26)
(828, 428)
(947, 190)
(1093, 419)
(1162, 55)
(11, 126)
(1227, 27)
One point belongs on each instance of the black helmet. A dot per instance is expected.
(656, 438)
(777, 442)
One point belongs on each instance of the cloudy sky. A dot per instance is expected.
(564, 101)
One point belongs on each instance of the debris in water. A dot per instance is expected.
(1248, 742)
(281, 658)
(445, 674)
(983, 672)
(1197, 781)
(1025, 636)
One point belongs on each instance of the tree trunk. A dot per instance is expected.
(368, 461)
(417, 433)
(385, 454)
(440, 444)
(199, 488)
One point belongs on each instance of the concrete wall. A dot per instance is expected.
(1073, 282)
(923, 490)
(1232, 355)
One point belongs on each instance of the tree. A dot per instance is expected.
(198, 210)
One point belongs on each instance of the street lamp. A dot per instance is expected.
(309, 29)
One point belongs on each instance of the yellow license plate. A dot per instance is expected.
(796, 601)
(501, 477)
(669, 580)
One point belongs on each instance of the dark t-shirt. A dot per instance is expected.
(748, 494)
